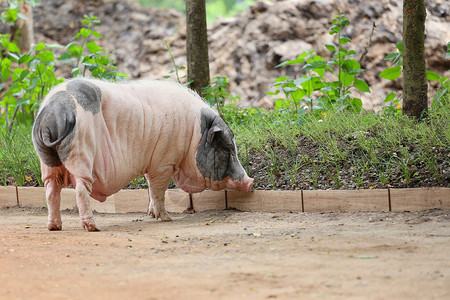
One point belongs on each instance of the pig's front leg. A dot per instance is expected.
(53, 196)
(157, 189)
(84, 207)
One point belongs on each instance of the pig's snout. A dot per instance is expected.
(244, 185)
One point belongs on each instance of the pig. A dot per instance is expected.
(99, 135)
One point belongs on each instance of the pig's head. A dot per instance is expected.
(216, 156)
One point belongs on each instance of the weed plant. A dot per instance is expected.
(341, 150)
(317, 136)
(19, 162)
(344, 150)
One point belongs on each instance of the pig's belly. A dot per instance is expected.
(100, 191)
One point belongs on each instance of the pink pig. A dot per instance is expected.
(99, 136)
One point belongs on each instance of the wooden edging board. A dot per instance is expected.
(265, 201)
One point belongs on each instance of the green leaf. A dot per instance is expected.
(350, 65)
(344, 40)
(289, 89)
(347, 79)
(46, 56)
(280, 80)
(339, 55)
(39, 47)
(330, 47)
(302, 80)
(343, 50)
(356, 71)
(33, 63)
(23, 75)
(96, 34)
(14, 56)
(398, 60)
(70, 45)
(298, 94)
(318, 64)
(362, 86)
(327, 89)
(390, 97)
(54, 46)
(11, 15)
(85, 32)
(6, 69)
(12, 47)
(24, 58)
(432, 76)
(298, 60)
(448, 51)
(315, 65)
(391, 55)
(391, 73)
(268, 93)
(288, 62)
(356, 104)
(66, 57)
(332, 62)
(93, 47)
(335, 29)
(400, 47)
(75, 71)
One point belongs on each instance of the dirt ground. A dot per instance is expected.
(227, 255)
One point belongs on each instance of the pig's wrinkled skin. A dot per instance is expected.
(99, 136)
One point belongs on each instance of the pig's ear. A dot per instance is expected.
(211, 132)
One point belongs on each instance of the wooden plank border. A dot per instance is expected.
(345, 200)
(420, 199)
(412, 199)
(9, 196)
(270, 201)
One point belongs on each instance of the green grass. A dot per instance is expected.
(341, 150)
(383, 149)
(19, 162)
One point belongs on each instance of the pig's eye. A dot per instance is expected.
(227, 149)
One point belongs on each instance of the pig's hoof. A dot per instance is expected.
(189, 210)
(54, 227)
(165, 217)
(151, 213)
(90, 226)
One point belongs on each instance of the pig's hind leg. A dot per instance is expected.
(53, 196)
(157, 189)
(84, 207)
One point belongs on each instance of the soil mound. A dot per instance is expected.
(246, 48)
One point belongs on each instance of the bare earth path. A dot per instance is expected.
(227, 255)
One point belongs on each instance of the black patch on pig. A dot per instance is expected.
(54, 129)
(87, 94)
(216, 154)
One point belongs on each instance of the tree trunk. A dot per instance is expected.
(197, 45)
(22, 31)
(415, 100)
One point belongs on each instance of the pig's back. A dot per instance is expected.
(145, 124)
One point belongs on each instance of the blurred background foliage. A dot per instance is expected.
(214, 8)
